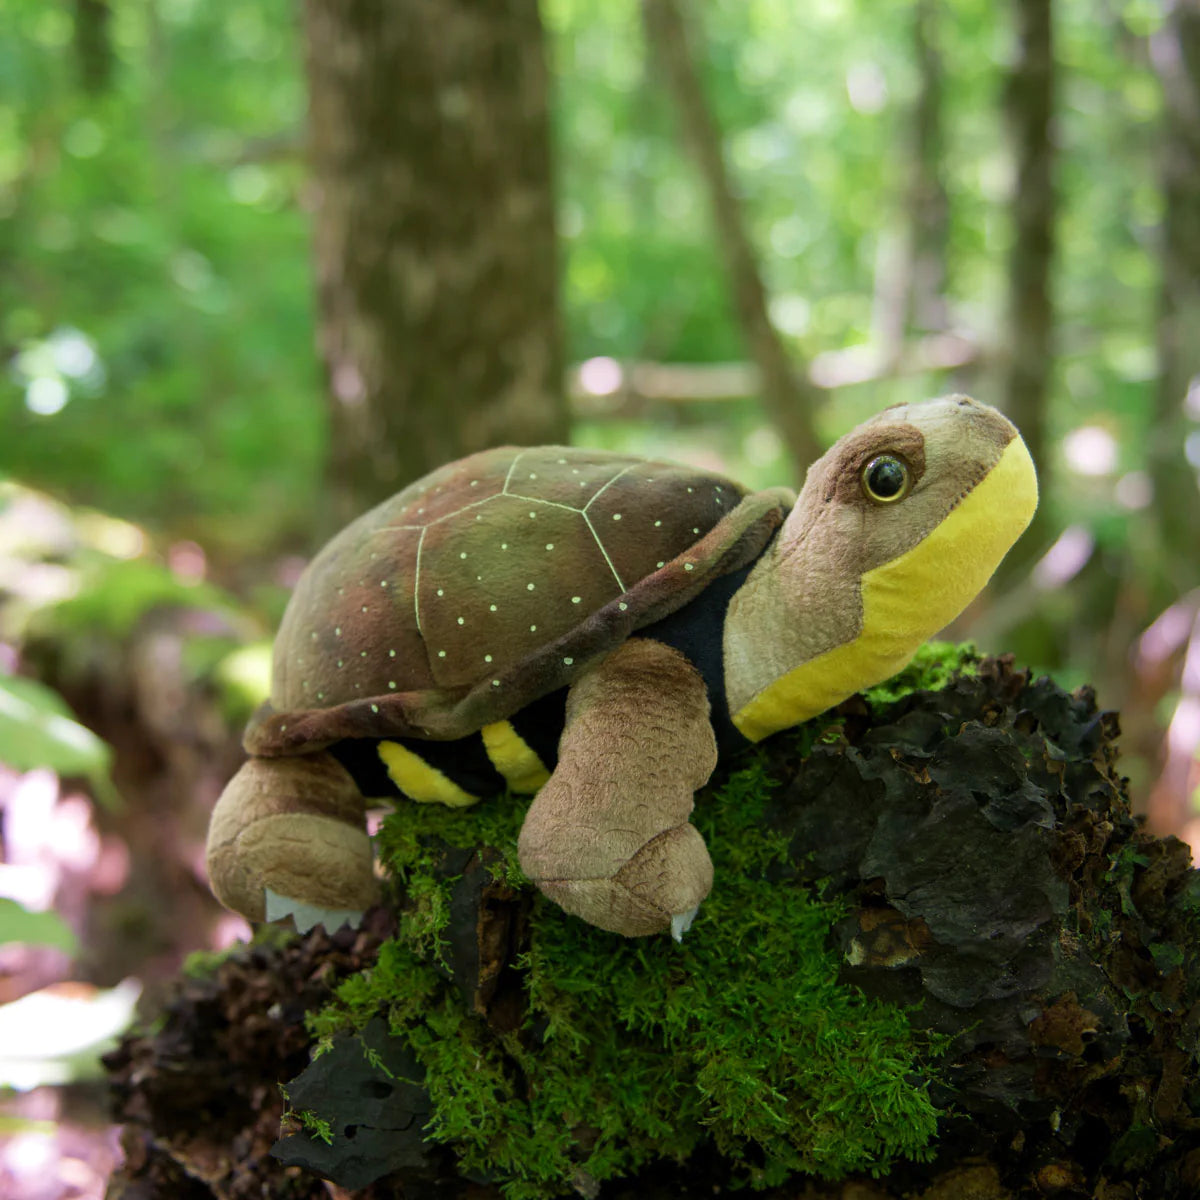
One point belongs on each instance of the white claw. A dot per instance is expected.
(307, 915)
(682, 922)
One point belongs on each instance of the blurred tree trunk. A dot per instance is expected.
(929, 209)
(790, 400)
(1175, 53)
(911, 276)
(434, 235)
(93, 49)
(1029, 105)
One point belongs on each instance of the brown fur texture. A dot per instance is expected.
(608, 837)
(296, 826)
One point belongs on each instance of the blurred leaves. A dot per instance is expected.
(19, 924)
(38, 730)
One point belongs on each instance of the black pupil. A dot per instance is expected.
(885, 477)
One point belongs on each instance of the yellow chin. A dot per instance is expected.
(907, 600)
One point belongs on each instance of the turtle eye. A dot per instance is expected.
(886, 479)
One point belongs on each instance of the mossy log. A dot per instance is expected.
(941, 960)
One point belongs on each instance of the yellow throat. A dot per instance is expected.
(907, 600)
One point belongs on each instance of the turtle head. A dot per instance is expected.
(898, 527)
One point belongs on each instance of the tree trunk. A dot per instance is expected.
(929, 207)
(1029, 103)
(984, 876)
(788, 398)
(1175, 53)
(434, 236)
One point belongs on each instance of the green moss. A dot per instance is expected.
(932, 668)
(635, 1049)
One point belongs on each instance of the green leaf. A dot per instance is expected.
(37, 730)
(18, 924)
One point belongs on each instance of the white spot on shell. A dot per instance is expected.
(338, 631)
(495, 683)
(392, 684)
(474, 482)
(529, 587)
(657, 524)
(314, 635)
(568, 661)
(362, 654)
(364, 608)
(690, 491)
(695, 529)
(283, 729)
(689, 566)
(549, 545)
(441, 654)
(487, 658)
(662, 564)
(441, 591)
(616, 516)
(391, 654)
(320, 695)
(532, 515)
(374, 708)
(533, 629)
(622, 606)
(503, 545)
(383, 583)
(339, 662)
(461, 621)
(532, 475)
(576, 599)
(463, 554)
(491, 608)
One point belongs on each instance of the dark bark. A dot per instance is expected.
(995, 885)
(1029, 106)
(434, 236)
(1175, 53)
(787, 396)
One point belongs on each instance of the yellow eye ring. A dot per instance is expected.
(886, 479)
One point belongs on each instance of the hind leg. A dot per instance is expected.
(288, 836)
(608, 836)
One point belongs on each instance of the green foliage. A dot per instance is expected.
(157, 278)
(114, 594)
(18, 924)
(636, 1048)
(37, 729)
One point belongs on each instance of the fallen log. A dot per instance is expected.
(941, 959)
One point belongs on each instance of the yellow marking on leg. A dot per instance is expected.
(514, 758)
(419, 781)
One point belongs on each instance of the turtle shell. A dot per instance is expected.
(493, 581)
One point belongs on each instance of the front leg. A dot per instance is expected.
(608, 837)
(288, 836)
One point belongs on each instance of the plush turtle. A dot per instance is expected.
(597, 628)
